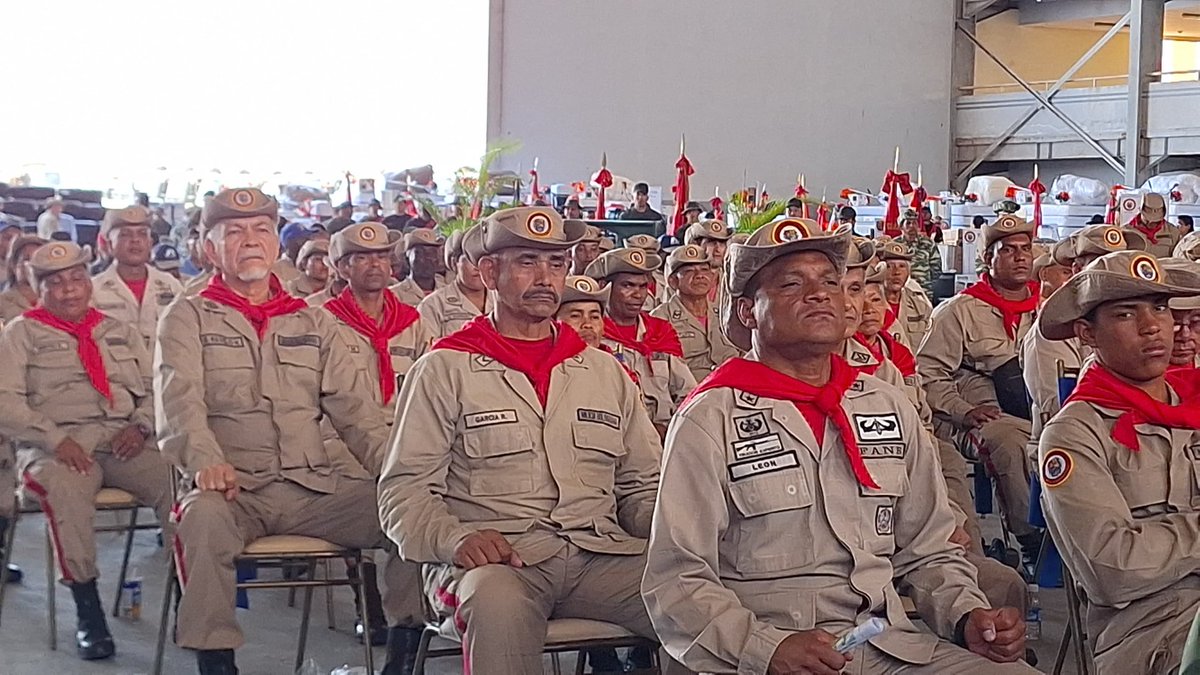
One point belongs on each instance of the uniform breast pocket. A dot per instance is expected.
(1144, 479)
(300, 367)
(774, 533)
(51, 371)
(660, 369)
(878, 507)
(231, 379)
(125, 367)
(598, 450)
(501, 460)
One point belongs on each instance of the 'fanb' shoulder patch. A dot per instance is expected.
(599, 417)
(1056, 468)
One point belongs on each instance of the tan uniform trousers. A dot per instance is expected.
(1004, 456)
(500, 612)
(8, 480)
(68, 500)
(212, 532)
(947, 658)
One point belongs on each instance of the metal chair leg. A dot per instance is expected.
(51, 593)
(306, 612)
(1064, 645)
(360, 593)
(133, 516)
(555, 666)
(580, 662)
(6, 554)
(328, 598)
(1082, 662)
(422, 652)
(165, 614)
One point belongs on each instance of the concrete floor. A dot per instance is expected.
(271, 626)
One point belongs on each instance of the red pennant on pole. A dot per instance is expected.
(801, 193)
(1037, 189)
(535, 189)
(718, 206)
(604, 179)
(684, 170)
(1110, 216)
(895, 185)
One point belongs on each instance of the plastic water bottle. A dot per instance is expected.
(1033, 617)
(131, 596)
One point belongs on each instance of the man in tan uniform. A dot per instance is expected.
(649, 345)
(131, 290)
(1120, 464)
(582, 308)
(659, 291)
(695, 319)
(796, 495)
(423, 248)
(1151, 223)
(292, 238)
(910, 307)
(971, 372)
(75, 401)
(314, 273)
(523, 466)
(587, 250)
(244, 374)
(450, 307)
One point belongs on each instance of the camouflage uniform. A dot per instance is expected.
(926, 261)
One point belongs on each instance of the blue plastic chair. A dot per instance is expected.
(1048, 570)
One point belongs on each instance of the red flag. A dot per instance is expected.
(919, 196)
(1037, 189)
(823, 214)
(718, 208)
(895, 185)
(604, 179)
(1110, 217)
(681, 189)
(535, 190)
(801, 193)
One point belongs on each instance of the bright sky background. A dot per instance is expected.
(116, 87)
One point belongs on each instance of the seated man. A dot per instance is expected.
(659, 292)
(1120, 467)
(75, 401)
(450, 307)
(796, 494)
(244, 375)
(909, 305)
(1151, 222)
(971, 372)
(423, 250)
(523, 466)
(1185, 352)
(713, 237)
(314, 273)
(695, 319)
(587, 250)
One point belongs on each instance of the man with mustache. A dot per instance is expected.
(1119, 463)
(452, 306)
(971, 372)
(131, 290)
(523, 468)
(244, 375)
(695, 319)
(798, 493)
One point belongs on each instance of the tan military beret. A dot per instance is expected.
(57, 256)
(593, 234)
(1183, 272)
(893, 250)
(365, 237)
(860, 254)
(1189, 246)
(1105, 239)
(607, 244)
(706, 229)
(1116, 276)
(454, 247)
(538, 227)
(423, 236)
(689, 254)
(877, 273)
(310, 248)
(643, 241)
(585, 289)
(238, 203)
(130, 216)
(623, 260)
(1007, 225)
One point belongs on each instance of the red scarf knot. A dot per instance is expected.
(1099, 386)
(659, 337)
(1010, 310)
(259, 316)
(85, 344)
(1151, 231)
(397, 317)
(761, 380)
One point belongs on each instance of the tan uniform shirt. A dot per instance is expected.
(704, 347)
(1128, 526)
(473, 449)
(447, 309)
(45, 394)
(112, 296)
(666, 379)
(302, 287)
(1040, 359)
(286, 270)
(1167, 238)
(319, 298)
(13, 304)
(197, 283)
(966, 344)
(913, 322)
(411, 294)
(221, 395)
(766, 532)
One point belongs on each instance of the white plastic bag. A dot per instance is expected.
(1184, 182)
(1081, 190)
(990, 189)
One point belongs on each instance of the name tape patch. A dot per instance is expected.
(214, 340)
(599, 417)
(755, 467)
(298, 340)
(165, 299)
(401, 351)
(490, 418)
(116, 342)
(877, 428)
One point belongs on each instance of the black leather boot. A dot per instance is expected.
(216, 662)
(402, 644)
(12, 574)
(379, 627)
(92, 639)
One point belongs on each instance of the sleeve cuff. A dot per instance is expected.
(760, 647)
(960, 631)
(55, 436)
(445, 552)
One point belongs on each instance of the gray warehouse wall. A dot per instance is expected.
(770, 87)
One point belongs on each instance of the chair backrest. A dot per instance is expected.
(1067, 379)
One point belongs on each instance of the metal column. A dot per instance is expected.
(1145, 57)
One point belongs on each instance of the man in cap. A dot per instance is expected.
(695, 319)
(692, 212)
(423, 250)
(761, 555)
(244, 375)
(648, 344)
(132, 290)
(658, 284)
(1151, 222)
(847, 216)
(292, 238)
(641, 209)
(314, 273)
(571, 209)
(165, 258)
(452, 306)
(713, 237)
(587, 250)
(75, 402)
(374, 211)
(794, 208)
(972, 375)
(1119, 463)
(582, 308)
(400, 215)
(925, 266)
(910, 308)
(523, 466)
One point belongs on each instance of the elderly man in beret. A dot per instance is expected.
(452, 306)
(75, 400)
(910, 308)
(694, 317)
(132, 290)
(523, 467)
(244, 375)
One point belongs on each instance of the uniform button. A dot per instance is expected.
(791, 489)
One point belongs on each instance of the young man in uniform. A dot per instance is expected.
(292, 238)
(587, 250)
(1151, 222)
(797, 493)
(910, 307)
(523, 466)
(75, 402)
(970, 368)
(452, 306)
(695, 319)
(649, 345)
(1120, 467)
(423, 248)
(244, 375)
(314, 273)
(659, 292)
(131, 290)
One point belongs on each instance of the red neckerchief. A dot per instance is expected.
(760, 380)
(900, 356)
(1101, 387)
(85, 344)
(624, 366)
(1151, 232)
(1011, 310)
(259, 316)
(479, 336)
(890, 316)
(397, 316)
(659, 337)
